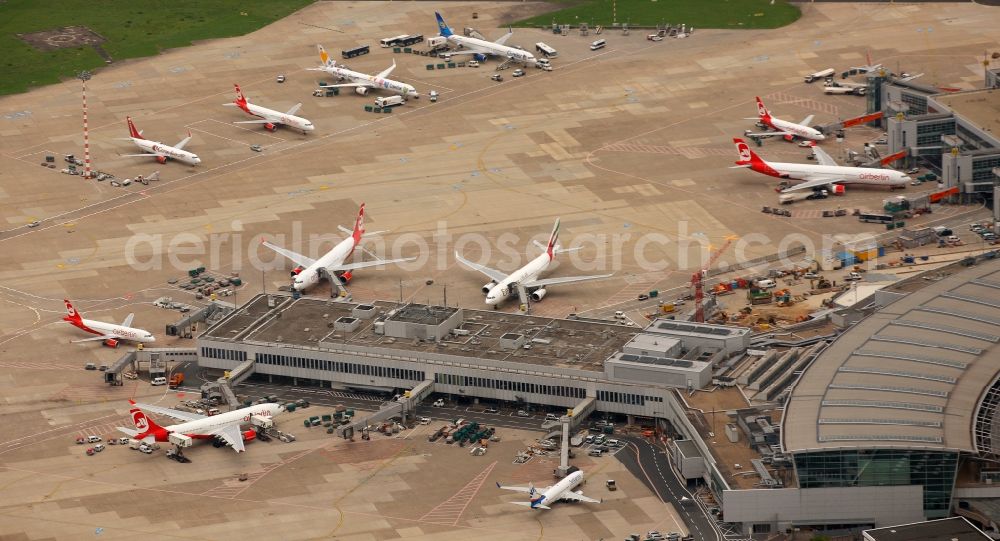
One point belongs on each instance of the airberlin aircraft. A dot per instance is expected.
(158, 150)
(109, 333)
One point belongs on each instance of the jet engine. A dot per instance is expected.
(249, 435)
(161, 159)
(297, 270)
(270, 126)
(488, 286)
(837, 189)
(480, 57)
(111, 342)
(362, 90)
(345, 277)
(538, 294)
(788, 138)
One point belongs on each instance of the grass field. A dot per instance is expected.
(132, 29)
(696, 13)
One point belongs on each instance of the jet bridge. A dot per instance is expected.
(401, 408)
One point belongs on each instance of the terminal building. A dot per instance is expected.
(894, 422)
(483, 355)
(956, 133)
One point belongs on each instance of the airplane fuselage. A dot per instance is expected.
(215, 422)
(555, 492)
(277, 117)
(836, 173)
(527, 273)
(101, 328)
(376, 82)
(488, 47)
(798, 130)
(156, 147)
(336, 257)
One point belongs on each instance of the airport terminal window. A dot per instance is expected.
(934, 470)
(918, 104)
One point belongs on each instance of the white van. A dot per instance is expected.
(388, 101)
(766, 283)
(159, 381)
(599, 44)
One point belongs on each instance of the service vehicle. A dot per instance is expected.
(439, 403)
(517, 73)
(158, 381)
(599, 44)
(822, 74)
(176, 380)
(853, 276)
(496, 77)
(472, 63)
(389, 101)
(281, 78)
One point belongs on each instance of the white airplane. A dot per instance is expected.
(332, 264)
(269, 117)
(158, 150)
(482, 48)
(827, 174)
(109, 333)
(524, 281)
(224, 427)
(869, 67)
(563, 490)
(361, 82)
(788, 130)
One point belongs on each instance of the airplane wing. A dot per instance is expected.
(570, 495)
(347, 85)
(180, 145)
(466, 51)
(502, 40)
(231, 434)
(526, 490)
(95, 338)
(366, 264)
(493, 274)
(128, 320)
(385, 73)
(261, 121)
(767, 133)
(169, 412)
(807, 120)
(528, 504)
(818, 182)
(822, 158)
(299, 259)
(147, 154)
(295, 109)
(567, 280)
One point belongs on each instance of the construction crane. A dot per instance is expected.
(696, 279)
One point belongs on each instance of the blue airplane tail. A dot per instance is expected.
(442, 26)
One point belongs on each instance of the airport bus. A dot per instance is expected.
(357, 51)
(391, 42)
(875, 218)
(546, 50)
(406, 41)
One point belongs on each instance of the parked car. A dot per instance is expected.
(522, 413)
(551, 417)
(643, 297)
(491, 410)
(281, 78)
(805, 144)
(99, 447)
(93, 439)
(439, 403)
(472, 63)
(517, 73)
(853, 276)
(496, 77)
(913, 171)
(425, 420)
(90, 452)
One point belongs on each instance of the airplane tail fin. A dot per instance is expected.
(553, 239)
(71, 314)
(241, 100)
(134, 133)
(359, 225)
(442, 26)
(762, 111)
(746, 156)
(143, 424)
(324, 57)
